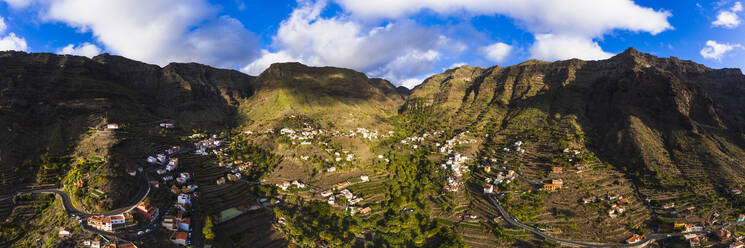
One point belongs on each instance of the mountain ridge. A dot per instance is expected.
(658, 126)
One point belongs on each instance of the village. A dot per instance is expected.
(358, 193)
(145, 217)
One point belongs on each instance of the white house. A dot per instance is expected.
(364, 178)
(152, 160)
(184, 199)
(488, 189)
(118, 219)
(326, 193)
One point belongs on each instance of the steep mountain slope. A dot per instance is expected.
(53, 110)
(648, 128)
(335, 96)
(673, 121)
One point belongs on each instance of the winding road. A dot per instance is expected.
(70, 210)
(648, 239)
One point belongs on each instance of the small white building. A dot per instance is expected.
(488, 189)
(326, 193)
(184, 199)
(364, 178)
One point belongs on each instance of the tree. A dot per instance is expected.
(209, 235)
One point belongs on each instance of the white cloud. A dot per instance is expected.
(549, 46)
(411, 82)
(714, 50)
(729, 18)
(268, 58)
(158, 31)
(85, 49)
(455, 65)
(579, 20)
(13, 42)
(3, 26)
(497, 52)
(412, 63)
(737, 7)
(397, 50)
(585, 16)
(17, 4)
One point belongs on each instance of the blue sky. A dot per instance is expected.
(403, 41)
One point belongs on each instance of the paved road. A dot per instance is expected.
(512, 221)
(648, 239)
(70, 210)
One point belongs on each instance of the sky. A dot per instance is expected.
(403, 41)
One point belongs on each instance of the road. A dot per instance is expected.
(70, 210)
(648, 239)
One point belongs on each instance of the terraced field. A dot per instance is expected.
(6, 208)
(251, 230)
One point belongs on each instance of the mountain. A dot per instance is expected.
(676, 120)
(321, 93)
(657, 131)
(52, 107)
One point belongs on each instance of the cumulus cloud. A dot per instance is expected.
(397, 50)
(565, 20)
(729, 18)
(266, 59)
(496, 52)
(411, 82)
(714, 50)
(550, 46)
(412, 63)
(158, 31)
(11, 41)
(85, 49)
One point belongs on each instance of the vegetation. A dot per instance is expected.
(207, 230)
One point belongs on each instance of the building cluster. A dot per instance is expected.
(617, 205)
(695, 234)
(107, 244)
(351, 199)
(456, 165)
(554, 185)
(110, 222)
(302, 136)
(287, 184)
(147, 210)
(180, 225)
(203, 146)
(517, 146)
(502, 178)
(460, 139)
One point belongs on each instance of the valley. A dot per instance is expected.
(632, 151)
